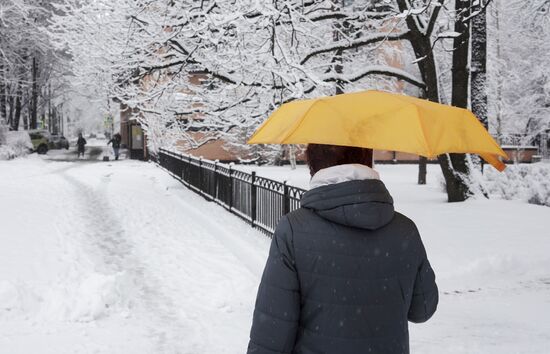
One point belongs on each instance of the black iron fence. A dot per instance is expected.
(260, 201)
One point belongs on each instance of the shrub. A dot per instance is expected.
(14, 144)
(528, 182)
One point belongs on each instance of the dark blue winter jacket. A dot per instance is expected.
(345, 274)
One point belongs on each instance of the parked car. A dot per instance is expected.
(58, 142)
(40, 140)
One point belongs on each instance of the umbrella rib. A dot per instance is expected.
(305, 115)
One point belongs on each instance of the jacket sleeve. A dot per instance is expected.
(277, 312)
(425, 294)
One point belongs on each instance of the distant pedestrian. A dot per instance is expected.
(80, 143)
(345, 271)
(116, 144)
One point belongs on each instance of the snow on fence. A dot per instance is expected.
(260, 201)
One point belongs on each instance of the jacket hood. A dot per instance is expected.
(365, 204)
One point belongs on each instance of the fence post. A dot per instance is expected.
(180, 166)
(230, 202)
(183, 169)
(286, 200)
(215, 182)
(543, 142)
(188, 172)
(253, 198)
(200, 174)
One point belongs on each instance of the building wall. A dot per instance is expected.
(219, 150)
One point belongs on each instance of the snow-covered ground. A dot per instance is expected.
(118, 257)
(492, 261)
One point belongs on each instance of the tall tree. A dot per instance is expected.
(478, 87)
(27, 61)
(518, 78)
(455, 166)
(34, 95)
(3, 95)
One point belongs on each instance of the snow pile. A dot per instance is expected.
(9, 297)
(14, 144)
(530, 183)
(88, 297)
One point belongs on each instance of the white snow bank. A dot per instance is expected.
(14, 144)
(9, 296)
(88, 297)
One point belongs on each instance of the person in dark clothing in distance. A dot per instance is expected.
(115, 140)
(345, 272)
(81, 143)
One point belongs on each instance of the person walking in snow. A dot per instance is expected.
(345, 271)
(115, 140)
(80, 143)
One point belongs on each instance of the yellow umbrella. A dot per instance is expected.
(382, 121)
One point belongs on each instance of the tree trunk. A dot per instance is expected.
(498, 98)
(478, 87)
(26, 117)
(423, 164)
(454, 166)
(17, 116)
(423, 51)
(338, 64)
(429, 75)
(3, 96)
(34, 96)
(292, 156)
(10, 115)
(55, 118)
(422, 170)
(50, 118)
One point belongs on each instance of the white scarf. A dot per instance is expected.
(342, 173)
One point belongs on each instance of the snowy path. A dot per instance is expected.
(119, 257)
(136, 264)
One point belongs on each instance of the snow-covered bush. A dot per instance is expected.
(15, 144)
(528, 182)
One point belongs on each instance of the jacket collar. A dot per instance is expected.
(342, 173)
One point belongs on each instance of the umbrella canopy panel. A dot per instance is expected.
(383, 121)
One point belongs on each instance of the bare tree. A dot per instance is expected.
(27, 61)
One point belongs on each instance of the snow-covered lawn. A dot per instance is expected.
(118, 257)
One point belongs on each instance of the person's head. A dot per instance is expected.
(80, 135)
(322, 156)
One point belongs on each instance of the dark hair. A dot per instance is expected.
(322, 156)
